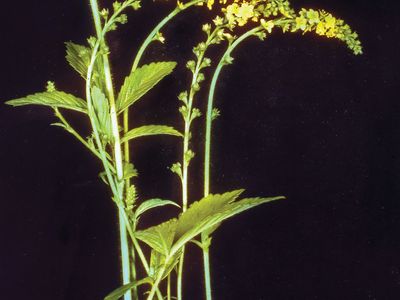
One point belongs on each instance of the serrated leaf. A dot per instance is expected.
(53, 99)
(141, 81)
(158, 260)
(152, 203)
(79, 56)
(228, 211)
(102, 111)
(168, 238)
(159, 237)
(119, 292)
(149, 130)
(129, 171)
(207, 206)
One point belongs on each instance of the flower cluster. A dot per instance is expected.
(325, 24)
(278, 13)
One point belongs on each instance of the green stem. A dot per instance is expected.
(117, 146)
(138, 58)
(222, 62)
(207, 273)
(140, 252)
(158, 280)
(169, 287)
(207, 150)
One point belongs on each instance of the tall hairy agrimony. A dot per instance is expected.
(107, 108)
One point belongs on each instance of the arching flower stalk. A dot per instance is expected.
(263, 16)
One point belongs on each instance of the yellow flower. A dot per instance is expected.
(313, 16)
(267, 25)
(210, 3)
(321, 30)
(330, 21)
(244, 13)
(231, 12)
(301, 23)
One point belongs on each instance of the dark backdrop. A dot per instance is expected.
(301, 117)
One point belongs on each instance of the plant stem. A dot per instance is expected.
(137, 60)
(169, 287)
(117, 148)
(207, 150)
(158, 280)
(207, 273)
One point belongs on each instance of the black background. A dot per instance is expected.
(301, 117)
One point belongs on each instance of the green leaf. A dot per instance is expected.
(52, 99)
(205, 215)
(152, 203)
(129, 171)
(102, 111)
(148, 130)
(229, 210)
(79, 56)
(200, 210)
(160, 237)
(119, 292)
(158, 260)
(141, 81)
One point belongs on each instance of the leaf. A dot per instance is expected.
(119, 292)
(79, 56)
(207, 206)
(148, 130)
(141, 81)
(52, 99)
(129, 171)
(160, 237)
(152, 203)
(157, 260)
(102, 111)
(229, 210)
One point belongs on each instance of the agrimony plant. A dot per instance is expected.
(107, 108)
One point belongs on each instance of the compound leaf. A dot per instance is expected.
(53, 99)
(141, 81)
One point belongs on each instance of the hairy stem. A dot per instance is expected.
(207, 150)
(117, 148)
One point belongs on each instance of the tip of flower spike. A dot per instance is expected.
(325, 24)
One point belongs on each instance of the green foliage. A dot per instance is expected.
(102, 114)
(129, 171)
(141, 81)
(148, 130)
(119, 292)
(152, 203)
(53, 99)
(168, 238)
(160, 237)
(78, 57)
